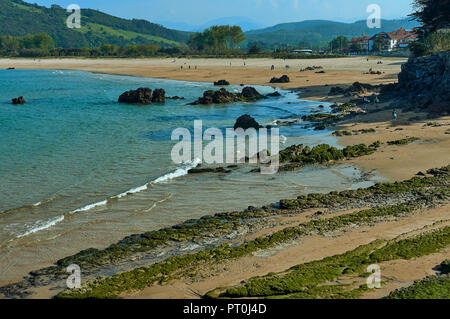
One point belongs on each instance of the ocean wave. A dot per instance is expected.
(178, 173)
(89, 207)
(41, 225)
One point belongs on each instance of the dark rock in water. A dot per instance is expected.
(143, 96)
(222, 96)
(246, 122)
(216, 170)
(139, 96)
(274, 94)
(250, 93)
(176, 97)
(11, 68)
(222, 83)
(19, 100)
(283, 79)
(159, 96)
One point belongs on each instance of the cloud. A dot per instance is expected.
(274, 3)
(296, 4)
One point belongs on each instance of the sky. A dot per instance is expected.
(263, 12)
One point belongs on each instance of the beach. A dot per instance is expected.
(391, 163)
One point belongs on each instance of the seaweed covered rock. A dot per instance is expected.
(246, 122)
(336, 90)
(223, 96)
(355, 88)
(283, 79)
(19, 100)
(221, 83)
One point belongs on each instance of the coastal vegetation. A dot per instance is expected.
(354, 132)
(424, 190)
(433, 287)
(434, 35)
(419, 192)
(298, 156)
(403, 141)
(299, 280)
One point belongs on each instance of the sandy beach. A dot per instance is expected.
(392, 162)
(255, 72)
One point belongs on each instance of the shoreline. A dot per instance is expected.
(392, 162)
(338, 71)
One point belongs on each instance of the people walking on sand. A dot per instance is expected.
(394, 115)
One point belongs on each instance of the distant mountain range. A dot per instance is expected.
(319, 32)
(245, 23)
(19, 18)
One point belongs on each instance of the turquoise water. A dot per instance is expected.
(80, 170)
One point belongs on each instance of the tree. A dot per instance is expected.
(433, 14)
(217, 39)
(356, 47)
(378, 44)
(339, 43)
(254, 49)
(236, 36)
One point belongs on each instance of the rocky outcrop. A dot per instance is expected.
(159, 96)
(221, 83)
(425, 82)
(223, 96)
(246, 122)
(283, 79)
(355, 88)
(19, 100)
(250, 94)
(143, 96)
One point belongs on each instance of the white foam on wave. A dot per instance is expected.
(41, 225)
(132, 191)
(89, 207)
(178, 173)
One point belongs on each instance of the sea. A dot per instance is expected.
(80, 170)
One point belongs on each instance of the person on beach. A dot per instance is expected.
(272, 68)
(394, 115)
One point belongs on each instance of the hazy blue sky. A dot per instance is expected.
(264, 12)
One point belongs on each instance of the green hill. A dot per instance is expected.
(19, 18)
(319, 32)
